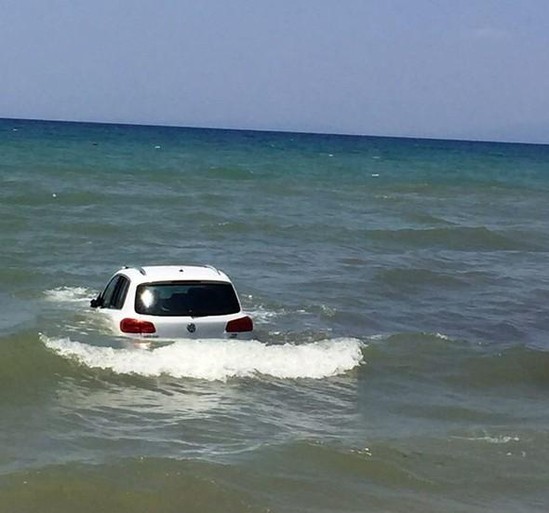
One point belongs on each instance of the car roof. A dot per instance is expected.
(152, 273)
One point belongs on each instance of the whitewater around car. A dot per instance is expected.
(170, 302)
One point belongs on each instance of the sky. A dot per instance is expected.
(457, 69)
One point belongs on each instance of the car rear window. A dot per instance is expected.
(194, 299)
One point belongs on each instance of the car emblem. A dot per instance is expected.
(191, 327)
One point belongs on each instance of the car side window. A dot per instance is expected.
(107, 295)
(115, 293)
(120, 292)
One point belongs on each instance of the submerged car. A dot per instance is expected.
(173, 302)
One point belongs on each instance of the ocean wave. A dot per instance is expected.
(69, 294)
(421, 337)
(459, 238)
(472, 364)
(218, 359)
(450, 237)
(515, 365)
(418, 475)
(15, 313)
(27, 367)
(131, 485)
(499, 439)
(261, 314)
(414, 277)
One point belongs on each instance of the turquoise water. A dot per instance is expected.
(399, 291)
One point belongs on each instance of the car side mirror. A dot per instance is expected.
(97, 302)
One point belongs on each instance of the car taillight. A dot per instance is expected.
(239, 325)
(136, 326)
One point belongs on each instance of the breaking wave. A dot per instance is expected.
(218, 359)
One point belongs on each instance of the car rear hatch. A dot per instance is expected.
(189, 309)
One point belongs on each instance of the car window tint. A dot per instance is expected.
(120, 292)
(115, 293)
(109, 291)
(194, 299)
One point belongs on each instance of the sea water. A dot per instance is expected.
(400, 295)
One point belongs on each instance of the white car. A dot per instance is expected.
(173, 302)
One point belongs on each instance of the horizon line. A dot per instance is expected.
(271, 130)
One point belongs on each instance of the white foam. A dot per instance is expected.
(261, 315)
(69, 294)
(385, 336)
(502, 439)
(218, 359)
(259, 312)
(379, 336)
(441, 336)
